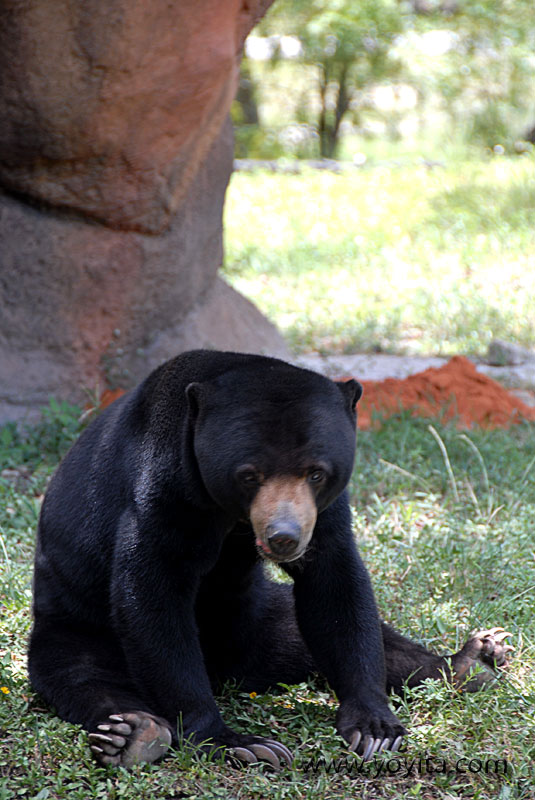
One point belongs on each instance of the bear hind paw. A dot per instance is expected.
(483, 650)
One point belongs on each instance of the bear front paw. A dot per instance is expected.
(369, 731)
(490, 647)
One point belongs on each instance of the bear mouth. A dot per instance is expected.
(268, 555)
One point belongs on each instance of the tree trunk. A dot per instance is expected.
(329, 132)
(323, 131)
(246, 97)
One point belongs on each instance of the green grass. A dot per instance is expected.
(449, 551)
(395, 259)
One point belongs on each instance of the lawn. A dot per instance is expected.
(441, 567)
(408, 258)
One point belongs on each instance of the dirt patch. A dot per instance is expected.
(454, 391)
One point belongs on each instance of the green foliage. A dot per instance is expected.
(469, 64)
(486, 77)
(333, 32)
(42, 442)
(252, 141)
(349, 46)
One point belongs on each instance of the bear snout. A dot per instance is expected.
(283, 515)
(283, 538)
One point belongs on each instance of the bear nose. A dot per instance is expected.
(283, 538)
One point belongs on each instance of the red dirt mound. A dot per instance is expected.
(108, 396)
(456, 390)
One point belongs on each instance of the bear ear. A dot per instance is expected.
(194, 395)
(352, 391)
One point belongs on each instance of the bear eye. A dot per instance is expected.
(248, 477)
(316, 476)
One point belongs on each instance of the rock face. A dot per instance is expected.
(115, 155)
(109, 108)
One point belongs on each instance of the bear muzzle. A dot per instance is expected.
(283, 514)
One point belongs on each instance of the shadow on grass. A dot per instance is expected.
(468, 206)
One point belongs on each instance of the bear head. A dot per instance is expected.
(274, 446)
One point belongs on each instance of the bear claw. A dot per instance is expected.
(369, 746)
(266, 754)
(281, 750)
(244, 754)
(383, 746)
(110, 744)
(268, 750)
(355, 741)
(121, 728)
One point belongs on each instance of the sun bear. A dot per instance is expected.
(149, 587)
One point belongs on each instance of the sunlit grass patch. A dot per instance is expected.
(410, 258)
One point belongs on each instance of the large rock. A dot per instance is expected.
(114, 160)
(109, 108)
(84, 307)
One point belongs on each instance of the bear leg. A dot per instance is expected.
(83, 674)
(409, 663)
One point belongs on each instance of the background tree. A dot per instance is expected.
(471, 66)
(349, 45)
(486, 76)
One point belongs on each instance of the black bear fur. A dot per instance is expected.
(149, 587)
